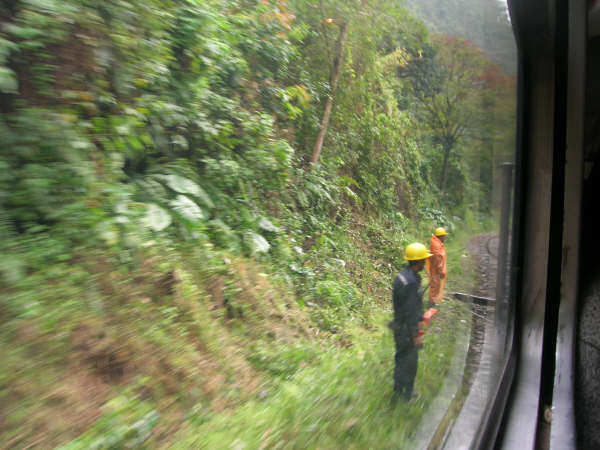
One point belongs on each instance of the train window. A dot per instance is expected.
(219, 221)
(479, 138)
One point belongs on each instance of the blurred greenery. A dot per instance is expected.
(174, 271)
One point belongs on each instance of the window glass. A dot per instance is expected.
(482, 107)
(216, 220)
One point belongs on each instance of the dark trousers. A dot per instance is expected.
(406, 361)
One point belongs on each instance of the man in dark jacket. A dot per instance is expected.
(408, 312)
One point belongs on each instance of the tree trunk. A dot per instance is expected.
(335, 74)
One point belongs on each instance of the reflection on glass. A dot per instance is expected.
(476, 125)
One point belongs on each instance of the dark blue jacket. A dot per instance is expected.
(408, 301)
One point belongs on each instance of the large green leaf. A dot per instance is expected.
(186, 186)
(157, 218)
(153, 188)
(267, 225)
(256, 243)
(187, 209)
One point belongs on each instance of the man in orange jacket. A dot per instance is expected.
(436, 267)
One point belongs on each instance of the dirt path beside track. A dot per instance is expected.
(462, 410)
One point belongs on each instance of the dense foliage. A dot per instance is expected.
(154, 171)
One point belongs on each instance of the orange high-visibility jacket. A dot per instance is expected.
(437, 270)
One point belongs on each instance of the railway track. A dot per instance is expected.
(465, 410)
(482, 315)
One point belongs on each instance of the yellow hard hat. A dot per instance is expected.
(440, 231)
(416, 251)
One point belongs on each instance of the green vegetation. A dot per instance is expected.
(175, 271)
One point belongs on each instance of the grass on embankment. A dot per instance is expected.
(340, 397)
(200, 348)
(340, 400)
